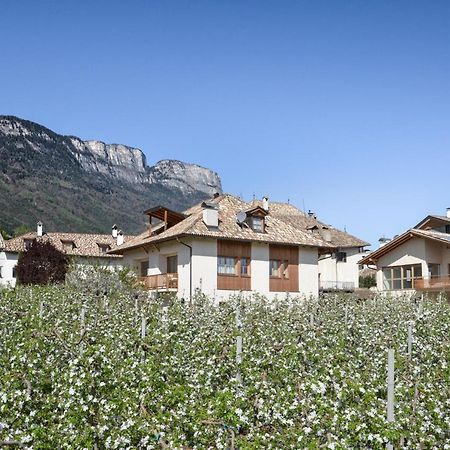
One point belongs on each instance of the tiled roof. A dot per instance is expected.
(437, 235)
(83, 244)
(433, 219)
(284, 224)
(293, 216)
(399, 240)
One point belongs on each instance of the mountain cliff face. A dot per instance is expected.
(76, 185)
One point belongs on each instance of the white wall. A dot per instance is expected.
(411, 252)
(333, 271)
(204, 266)
(7, 263)
(259, 268)
(9, 260)
(132, 259)
(104, 263)
(308, 271)
(415, 251)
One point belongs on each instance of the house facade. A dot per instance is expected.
(82, 248)
(417, 260)
(225, 245)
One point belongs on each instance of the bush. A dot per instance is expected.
(101, 280)
(367, 281)
(42, 263)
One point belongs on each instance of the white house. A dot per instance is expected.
(226, 245)
(417, 260)
(81, 247)
(338, 266)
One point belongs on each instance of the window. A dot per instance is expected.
(283, 268)
(286, 269)
(279, 269)
(28, 243)
(401, 277)
(341, 257)
(68, 245)
(233, 265)
(226, 265)
(447, 229)
(274, 268)
(245, 267)
(1, 272)
(103, 248)
(434, 270)
(14, 270)
(172, 264)
(258, 224)
(143, 268)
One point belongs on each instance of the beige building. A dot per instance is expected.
(81, 247)
(226, 245)
(417, 260)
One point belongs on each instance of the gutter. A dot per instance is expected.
(190, 268)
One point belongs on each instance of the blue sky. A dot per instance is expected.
(341, 106)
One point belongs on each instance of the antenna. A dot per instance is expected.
(304, 208)
(240, 217)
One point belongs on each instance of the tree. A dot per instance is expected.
(42, 263)
(21, 229)
(367, 281)
(4, 234)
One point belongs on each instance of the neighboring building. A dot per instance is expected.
(226, 245)
(417, 260)
(83, 248)
(338, 265)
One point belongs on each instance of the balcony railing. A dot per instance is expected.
(163, 281)
(432, 284)
(335, 286)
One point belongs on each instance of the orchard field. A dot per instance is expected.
(81, 369)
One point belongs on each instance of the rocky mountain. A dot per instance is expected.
(86, 186)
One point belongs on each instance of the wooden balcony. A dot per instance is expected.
(160, 282)
(435, 284)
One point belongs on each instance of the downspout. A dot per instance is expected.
(190, 269)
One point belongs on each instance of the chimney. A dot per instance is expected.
(210, 214)
(311, 214)
(114, 231)
(39, 230)
(448, 212)
(119, 237)
(383, 241)
(326, 234)
(265, 203)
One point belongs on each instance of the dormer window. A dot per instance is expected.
(104, 248)
(68, 245)
(28, 243)
(257, 224)
(256, 219)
